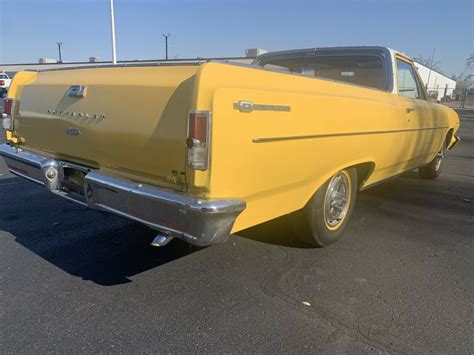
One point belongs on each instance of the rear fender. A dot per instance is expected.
(364, 167)
(19, 81)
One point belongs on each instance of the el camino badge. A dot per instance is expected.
(249, 106)
(76, 91)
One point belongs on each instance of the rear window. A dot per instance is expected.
(363, 70)
(3, 76)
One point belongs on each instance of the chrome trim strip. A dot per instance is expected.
(288, 138)
(385, 179)
(195, 62)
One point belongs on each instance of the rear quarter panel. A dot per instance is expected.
(279, 177)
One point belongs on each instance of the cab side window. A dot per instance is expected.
(408, 85)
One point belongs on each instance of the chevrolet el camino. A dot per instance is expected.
(202, 150)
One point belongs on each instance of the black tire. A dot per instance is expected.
(433, 169)
(315, 224)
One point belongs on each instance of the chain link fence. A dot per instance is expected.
(461, 100)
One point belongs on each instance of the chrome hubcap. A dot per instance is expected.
(337, 199)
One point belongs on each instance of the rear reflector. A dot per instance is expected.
(197, 139)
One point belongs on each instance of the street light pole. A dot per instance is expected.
(59, 50)
(112, 24)
(167, 35)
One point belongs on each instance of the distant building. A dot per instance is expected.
(437, 84)
(47, 61)
(254, 52)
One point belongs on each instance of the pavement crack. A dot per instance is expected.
(276, 285)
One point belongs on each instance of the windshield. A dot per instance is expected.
(364, 70)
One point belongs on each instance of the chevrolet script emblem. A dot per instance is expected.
(76, 91)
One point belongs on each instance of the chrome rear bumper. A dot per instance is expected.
(198, 221)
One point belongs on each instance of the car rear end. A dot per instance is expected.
(119, 139)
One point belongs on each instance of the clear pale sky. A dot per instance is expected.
(29, 29)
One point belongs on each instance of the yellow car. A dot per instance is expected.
(201, 150)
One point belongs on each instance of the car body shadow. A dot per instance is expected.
(95, 246)
(282, 231)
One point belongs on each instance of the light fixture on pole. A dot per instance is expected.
(112, 24)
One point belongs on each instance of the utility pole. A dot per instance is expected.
(112, 25)
(431, 68)
(167, 35)
(59, 50)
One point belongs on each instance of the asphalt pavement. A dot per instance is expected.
(400, 281)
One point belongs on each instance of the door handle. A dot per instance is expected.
(410, 109)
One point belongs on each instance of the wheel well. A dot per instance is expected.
(449, 136)
(363, 172)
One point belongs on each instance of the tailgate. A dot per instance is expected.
(130, 119)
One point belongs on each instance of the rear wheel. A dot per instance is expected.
(326, 215)
(432, 170)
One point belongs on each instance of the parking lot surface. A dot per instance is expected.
(401, 279)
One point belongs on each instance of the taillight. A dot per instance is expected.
(7, 107)
(198, 139)
(7, 120)
(2, 82)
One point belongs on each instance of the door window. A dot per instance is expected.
(407, 82)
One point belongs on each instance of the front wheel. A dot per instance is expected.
(326, 215)
(432, 170)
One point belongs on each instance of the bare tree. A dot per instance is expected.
(470, 64)
(427, 62)
(464, 80)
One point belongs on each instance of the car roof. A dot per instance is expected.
(333, 50)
